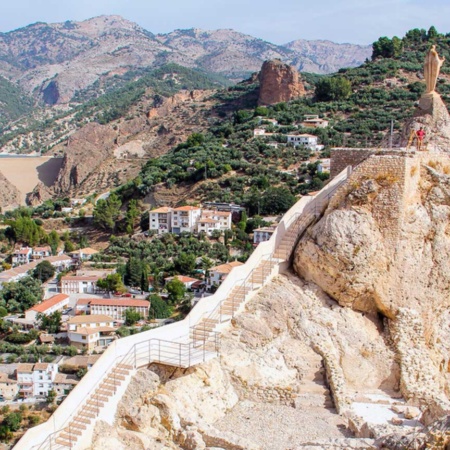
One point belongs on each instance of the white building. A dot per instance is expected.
(41, 252)
(79, 284)
(208, 225)
(84, 254)
(160, 220)
(56, 303)
(8, 387)
(116, 308)
(223, 217)
(22, 256)
(313, 121)
(60, 262)
(259, 132)
(88, 332)
(218, 274)
(324, 165)
(306, 140)
(36, 380)
(185, 218)
(262, 234)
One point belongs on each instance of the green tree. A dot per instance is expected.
(131, 316)
(176, 290)
(132, 216)
(133, 271)
(107, 212)
(53, 240)
(242, 224)
(21, 295)
(333, 88)
(12, 421)
(277, 200)
(50, 323)
(111, 283)
(51, 396)
(44, 271)
(159, 309)
(185, 263)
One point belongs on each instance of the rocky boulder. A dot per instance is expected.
(279, 82)
(10, 196)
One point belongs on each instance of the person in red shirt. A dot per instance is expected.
(420, 134)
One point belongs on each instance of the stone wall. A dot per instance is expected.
(389, 171)
(343, 157)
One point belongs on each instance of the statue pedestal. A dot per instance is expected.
(428, 102)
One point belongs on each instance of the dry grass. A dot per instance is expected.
(413, 170)
(386, 179)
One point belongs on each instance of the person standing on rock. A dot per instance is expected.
(431, 69)
(420, 135)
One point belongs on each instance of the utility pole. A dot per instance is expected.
(392, 133)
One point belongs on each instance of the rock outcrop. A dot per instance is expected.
(433, 116)
(383, 246)
(10, 196)
(279, 82)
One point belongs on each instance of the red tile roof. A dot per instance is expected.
(47, 304)
(132, 303)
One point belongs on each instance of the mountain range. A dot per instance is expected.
(53, 62)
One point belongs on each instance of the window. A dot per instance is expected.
(83, 337)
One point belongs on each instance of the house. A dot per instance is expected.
(8, 387)
(262, 234)
(208, 225)
(47, 339)
(306, 140)
(187, 281)
(223, 217)
(35, 380)
(313, 121)
(91, 331)
(259, 132)
(116, 308)
(324, 165)
(83, 284)
(218, 274)
(22, 256)
(56, 303)
(185, 218)
(160, 220)
(83, 306)
(41, 252)
(64, 383)
(84, 254)
(60, 262)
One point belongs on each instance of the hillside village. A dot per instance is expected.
(127, 296)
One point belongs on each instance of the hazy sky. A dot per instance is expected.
(278, 21)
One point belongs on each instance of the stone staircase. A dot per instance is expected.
(93, 406)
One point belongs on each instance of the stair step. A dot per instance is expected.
(76, 425)
(100, 398)
(94, 402)
(106, 390)
(125, 366)
(116, 376)
(71, 437)
(110, 382)
(81, 420)
(121, 372)
(72, 431)
(64, 442)
(88, 414)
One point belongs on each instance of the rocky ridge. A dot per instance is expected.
(10, 196)
(53, 61)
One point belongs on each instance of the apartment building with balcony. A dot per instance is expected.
(160, 220)
(91, 331)
(35, 380)
(185, 218)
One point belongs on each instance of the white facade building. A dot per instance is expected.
(56, 303)
(22, 256)
(218, 274)
(160, 220)
(262, 234)
(79, 284)
(307, 140)
(88, 332)
(116, 308)
(313, 121)
(36, 380)
(185, 218)
(41, 252)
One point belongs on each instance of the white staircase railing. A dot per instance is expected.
(181, 344)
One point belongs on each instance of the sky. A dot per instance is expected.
(277, 21)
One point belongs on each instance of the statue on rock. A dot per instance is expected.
(431, 115)
(431, 69)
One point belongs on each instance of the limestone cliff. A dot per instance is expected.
(279, 82)
(383, 246)
(10, 196)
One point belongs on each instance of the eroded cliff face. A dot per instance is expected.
(10, 196)
(383, 246)
(279, 360)
(279, 82)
